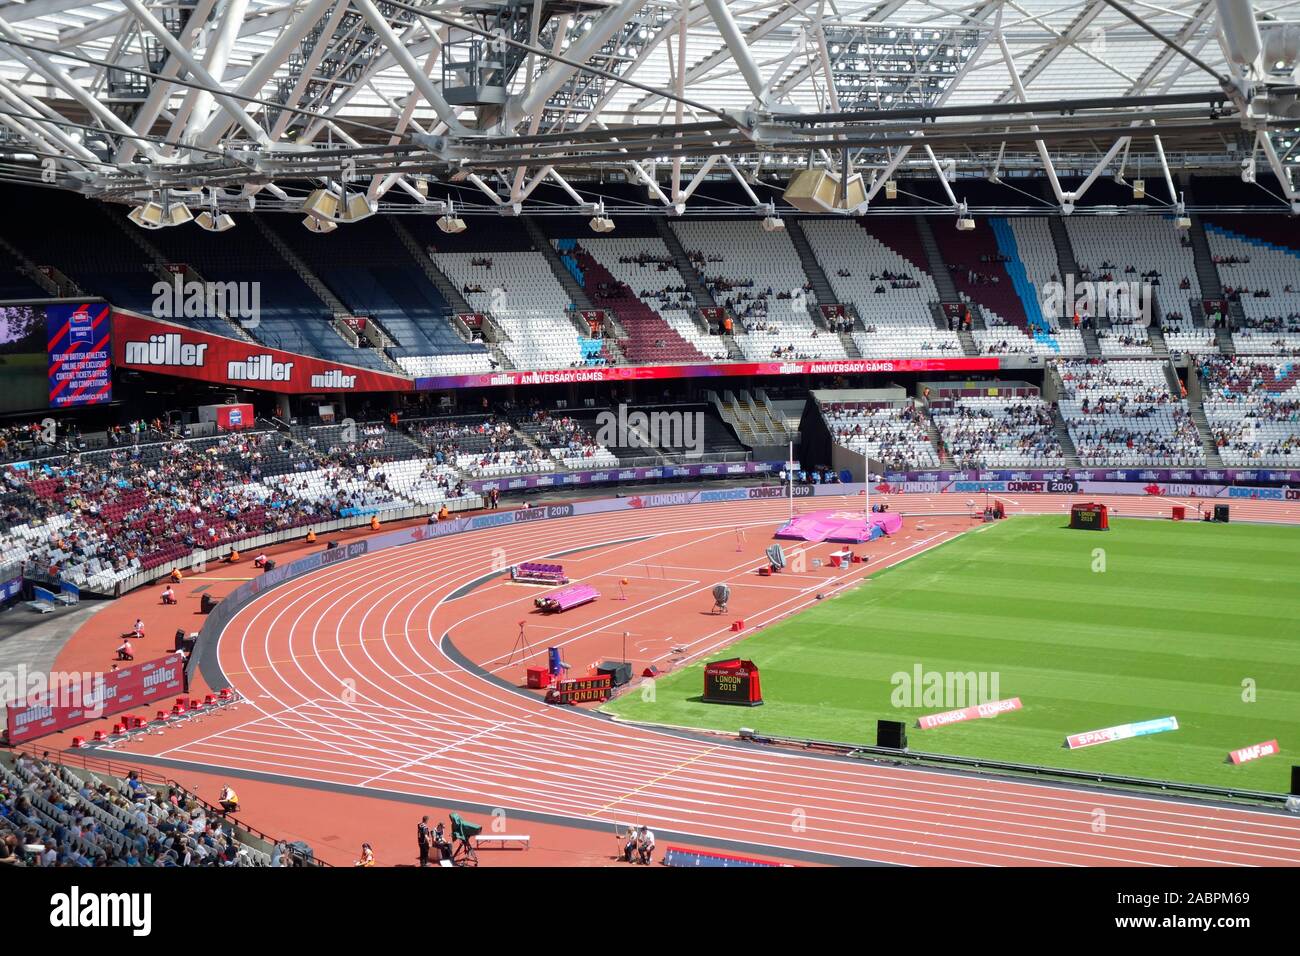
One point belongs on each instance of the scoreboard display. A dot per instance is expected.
(733, 681)
(582, 690)
(1089, 517)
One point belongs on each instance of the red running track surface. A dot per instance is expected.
(351, 684)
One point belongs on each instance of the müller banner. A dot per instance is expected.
(92, 696)
(151, 345)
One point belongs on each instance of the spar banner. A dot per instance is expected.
(1123, 732)
(151, 345)
(1154, 478)
(76, 698)
(79, 353)
(11, 589)
(624, 373)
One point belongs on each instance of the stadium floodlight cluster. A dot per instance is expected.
(326, 208)
(159, 212)
(599, 221)
(449, 222)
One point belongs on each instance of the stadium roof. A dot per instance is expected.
(258, 98)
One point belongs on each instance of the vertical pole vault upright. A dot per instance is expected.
(789, 477)
(866, 488)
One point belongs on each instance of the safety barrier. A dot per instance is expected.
(867, 751)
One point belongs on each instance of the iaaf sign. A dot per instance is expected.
(151, 345)
(1254, 752)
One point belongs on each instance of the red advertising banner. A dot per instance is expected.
(76, 701)
(151, 345)
(991, 709)
(1255, 751)
(235, 417)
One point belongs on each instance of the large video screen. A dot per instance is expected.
(54, 356)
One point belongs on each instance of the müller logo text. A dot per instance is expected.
(259, 368)
(166, 349)
(334, 378)
(75, 909)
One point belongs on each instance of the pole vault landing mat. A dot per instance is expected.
(848, 526)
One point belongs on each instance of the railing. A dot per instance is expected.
(673, 458)
(27, 450)
(257, 542)
(345, 332)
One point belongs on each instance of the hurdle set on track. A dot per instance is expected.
(538, 572)
(570, 597)
(184, 710)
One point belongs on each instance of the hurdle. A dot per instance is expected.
(535, 572)
(570, 597)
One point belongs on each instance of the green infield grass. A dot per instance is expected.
(1089, 629)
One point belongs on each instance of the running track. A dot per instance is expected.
(349, 683)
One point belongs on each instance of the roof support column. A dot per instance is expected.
(739, 49)
(425, 86)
